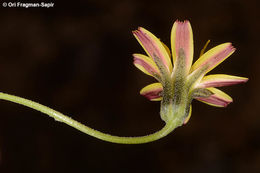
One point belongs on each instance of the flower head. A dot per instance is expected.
(180, 81)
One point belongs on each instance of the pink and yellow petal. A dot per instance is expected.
(182, 38)
(219, 80)
(213, 57)
(153, 47)
(218, 99)
(146, 65)
(152, 92)
(167, 49)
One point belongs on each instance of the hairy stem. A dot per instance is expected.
(170, 125)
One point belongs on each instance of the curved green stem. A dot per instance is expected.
(170, 125)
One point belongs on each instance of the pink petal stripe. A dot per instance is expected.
(182, 38)
(219, 98)
(215, 101)
(213, 57)
(220, 80)
(153, 94)
(149, 67)
(152, 91)
(153, 47)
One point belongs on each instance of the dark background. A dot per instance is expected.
(77, 59)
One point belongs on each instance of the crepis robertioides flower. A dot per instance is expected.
(180, 81)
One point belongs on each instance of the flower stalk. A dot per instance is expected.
(85, 129)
